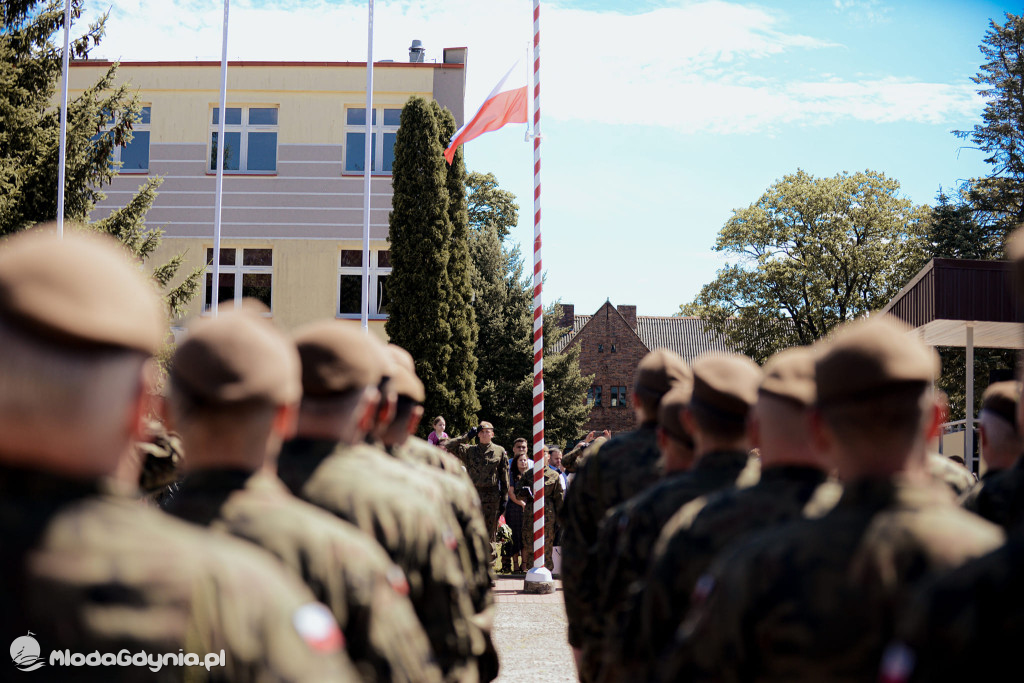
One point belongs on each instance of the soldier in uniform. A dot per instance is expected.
(234, 387)
(571, 460)
(553, 494)
(999, 497)
(619, 469)
(723, 391)
(794, 483)
(488, 467)
(817, 599)
(85, 567)
(329, 464)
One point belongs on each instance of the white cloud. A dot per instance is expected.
(867, 11)
(692, 68)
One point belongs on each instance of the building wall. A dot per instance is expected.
(606, 329)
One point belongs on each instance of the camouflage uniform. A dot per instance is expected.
(371, 490)
(86, 571)
(957, 477)
(626, 542)
(685, 550)
(161, 455)
(999, 497)
(552, 504)
(488, 467)
(344, 567)
(617, 470)
(818, 599)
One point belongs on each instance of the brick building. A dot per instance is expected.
(613, 340)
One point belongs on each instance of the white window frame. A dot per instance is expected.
(243, 129)
(137, 127)
(375, 272)
(378, 129)
(238, 270)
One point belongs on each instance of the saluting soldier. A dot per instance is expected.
(609, 474)
(488, 466)
(329, 464)
(724, 389)
(84, 567)
(234, 388)
(817, 599)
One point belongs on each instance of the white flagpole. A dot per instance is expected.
(63, 154)
(221, 145)
(367, 171)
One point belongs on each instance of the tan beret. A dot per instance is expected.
(337, 356)
(404, 381)
(670, 411)
(234, 358)
(402, 357)
(1001, 398)
(872, 356)
(658, 371)
(79, 291)
(789, 375)
(485, 425)
(726, 382)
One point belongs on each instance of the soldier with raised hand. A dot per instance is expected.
(233, 392)
(619, 469)
(724, 389)
(794, 483)
(999, 496)
(86, 568)
(329, 464)
(488, 466)
(817, 599)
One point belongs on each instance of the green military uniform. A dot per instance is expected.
(999, 497)
(627, 538)
(344, 567)
(488, 467)
(572, 460)
(86, 571)
(371, 490)
(686, 548)
(552, 504)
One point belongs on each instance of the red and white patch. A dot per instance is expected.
(897, 664)
(317, 627)
(396, 577)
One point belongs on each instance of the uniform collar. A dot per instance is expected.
(724, 459)
(17, 482)
(805, 473)
(892, 492)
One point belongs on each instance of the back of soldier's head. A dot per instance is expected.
(724, 390)
(874, 382)
(1001, 441)
(78, 322)
(656, 373)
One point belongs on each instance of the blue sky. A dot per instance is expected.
(658, 117)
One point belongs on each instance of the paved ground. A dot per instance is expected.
(530, 635)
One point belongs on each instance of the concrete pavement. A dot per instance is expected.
(530, 634)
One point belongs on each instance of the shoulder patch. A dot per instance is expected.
(396, 577)
(316, 626)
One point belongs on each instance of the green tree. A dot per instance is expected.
(491, 205)
(99, 119)
(954, 231)
(999, 198)
(812, 253)
(462, 369)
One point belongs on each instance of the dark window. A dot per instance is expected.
(615, 396)
(613, 348)
(597, 396)
(600, 348)
(351, 258)
(590, 396)
(622, 397)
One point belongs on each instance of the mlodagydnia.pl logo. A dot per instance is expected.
(25, 653)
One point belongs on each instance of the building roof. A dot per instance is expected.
(688, 336)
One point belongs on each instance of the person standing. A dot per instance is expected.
(512, 552)
(488, 467)
(553, 495)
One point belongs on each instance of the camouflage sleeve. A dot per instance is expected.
(578, 537)
(570, 460)
(503, 483)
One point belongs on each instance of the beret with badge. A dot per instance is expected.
(658, 371)
(1001, 398)
(725, 384)
(337, 356)
(81, 291)
(237, 357)
(870, 357)
(789, 375)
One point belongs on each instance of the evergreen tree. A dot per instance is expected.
(420, 235)
(954, 231)
(462, 369)
(99, 119)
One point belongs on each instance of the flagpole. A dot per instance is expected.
(367, 172)
(221, 146)
(538, 579)
(63, 153)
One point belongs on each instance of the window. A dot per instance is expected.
(600, 348)
(622, 397)
(134, 156)
(590, 396)
(350, 283)
(384, 123)
(613, 348)
(251, 135)
(615, 397)
(597, 396)
(618, 397)
(243, 273)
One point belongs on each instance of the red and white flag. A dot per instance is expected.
(506, 104)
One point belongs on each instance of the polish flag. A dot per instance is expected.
(505, 104)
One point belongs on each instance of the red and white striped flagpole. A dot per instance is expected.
(538, 315)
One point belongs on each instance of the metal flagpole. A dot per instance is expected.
(221, 146)
(63, 153)
(538, 579)
(367, 172)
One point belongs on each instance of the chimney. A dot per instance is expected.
(416, 52)
(629, 313)
(568, 316)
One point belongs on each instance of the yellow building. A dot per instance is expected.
(292, 218)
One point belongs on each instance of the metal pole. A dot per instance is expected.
(221, 145)
(367, 172)
(969, 391)
(63, 153)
